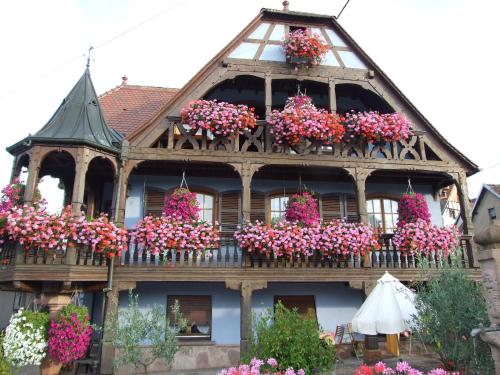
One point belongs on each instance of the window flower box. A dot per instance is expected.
(303, 49)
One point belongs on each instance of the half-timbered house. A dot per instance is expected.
(124, 151)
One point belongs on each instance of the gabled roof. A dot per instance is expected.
(78, 120)
(302, 17)
(128, 107)
(493, 189)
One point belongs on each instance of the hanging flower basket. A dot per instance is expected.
(303, 49)
(223, 120)
(182, 205)
(70, 334)
(377, 128)
(302, 208)
(300, 119)
(412, 207)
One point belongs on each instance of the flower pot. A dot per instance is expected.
(50, 367)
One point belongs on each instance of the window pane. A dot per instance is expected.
(376, 205)
(369, 206)
(377, 220)
(245, 51)
(394, 206)
(371, 220)
(259, 32)
(273, 52)
(330, 59)
(275, 204)
(351, 60)
(387, 206)
(284, 201)
(209, 202)
(336, 40)
(278, 33)
(199, 198)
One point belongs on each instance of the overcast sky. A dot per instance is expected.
(442, 54)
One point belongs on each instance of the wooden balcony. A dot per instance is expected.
(179, 138)
(218, 265)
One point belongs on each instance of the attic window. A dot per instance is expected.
(295, 28)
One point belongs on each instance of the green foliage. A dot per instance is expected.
(449, 306)
(292, 340)
(5, 368)
(38, 319)
(68, 310)
(135, 327)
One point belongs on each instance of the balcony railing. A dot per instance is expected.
(230, 257)
(179, 136)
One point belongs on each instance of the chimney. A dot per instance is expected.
(286, 3)
(124, 80)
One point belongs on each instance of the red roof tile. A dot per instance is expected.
(128, 107)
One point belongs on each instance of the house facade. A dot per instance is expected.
(124, 151)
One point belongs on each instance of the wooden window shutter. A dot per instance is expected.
(304, 304)
(195, 309)
(351, 208)
(154, 200)
(229, 212)
(331, 207)
(258, 206)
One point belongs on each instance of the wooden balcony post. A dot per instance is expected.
(268, 93)
(360, 175)
(246, 289)
(332, 95)
(246, 172)
(81, 166)
(108, 349)
(32, 181)
(465, 211)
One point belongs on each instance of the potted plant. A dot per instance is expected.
(69, 337)
(304, 49)
(223, 120)
(300, 119)
(25, 340)
(302, 208)
(182, 204)
(377, 128)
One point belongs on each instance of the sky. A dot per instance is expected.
(442, 54)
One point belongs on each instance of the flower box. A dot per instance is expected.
(303, 49)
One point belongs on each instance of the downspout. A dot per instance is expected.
(109, 287)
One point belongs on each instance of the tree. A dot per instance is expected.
(449, 306)
(134, 327)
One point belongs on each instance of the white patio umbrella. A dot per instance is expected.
(387, 310)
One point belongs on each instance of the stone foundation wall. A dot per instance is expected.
(193, 357)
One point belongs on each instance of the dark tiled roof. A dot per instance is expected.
(128, 107)
(79, 119)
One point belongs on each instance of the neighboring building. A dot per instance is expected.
(450, 205)
(487, 207)
(123, 151)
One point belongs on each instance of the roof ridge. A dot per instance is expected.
(119, 87)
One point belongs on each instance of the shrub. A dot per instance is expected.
(449, 306)
(5, 368)
(292, 340)
(136, 327)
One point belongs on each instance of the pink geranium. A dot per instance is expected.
(303, 48)
(376, 127)
(182, 204)
(301, 119)
(170, 233)
(69, 338)
(412, 207)
(302, 208)
(220, 118)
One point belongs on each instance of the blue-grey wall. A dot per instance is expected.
(336, 303)
(135, 201)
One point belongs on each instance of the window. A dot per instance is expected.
(382, 213)
(305, 305)
(492, 213)
(206, 202)
(278, 207)
(197, 310)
